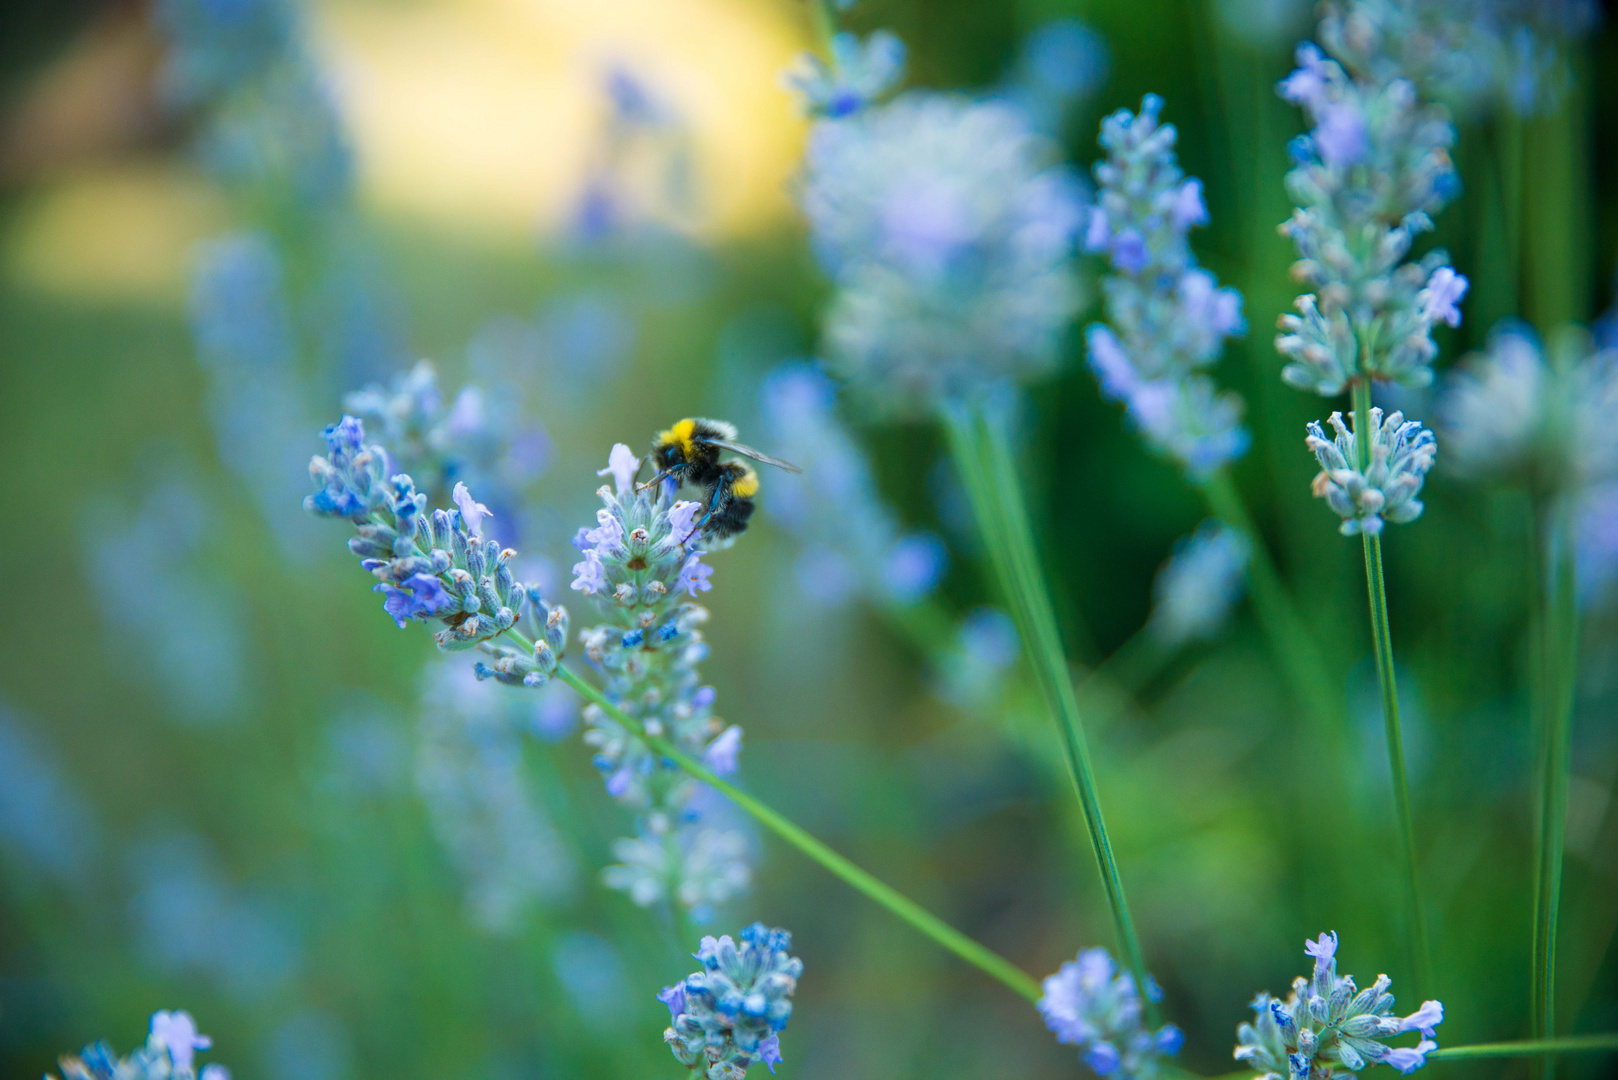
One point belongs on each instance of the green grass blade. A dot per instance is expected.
(981, 447)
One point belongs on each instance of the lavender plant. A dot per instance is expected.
(1475, 54)
(949, 234)
(1369, 175)
(1092, 1005)
(169, 1054)
(1329, 1028)
(729, 1016)
(1515, 414)
(857, 74)
(1167, 323)
(948, 231)
(1168, 317)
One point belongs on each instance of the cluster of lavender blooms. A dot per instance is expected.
(169, 1054)
(857, 74)
(1382, 490)
(729, 1016)
(1474, 54)
(437, 565)
(851, 542)
(1092, 1005)
(1369, 176)
(1168, 317)
(641, 564)
(1196, 589)
(949, 233)
(1514, 413)
(637, 563)
(470, 440)
(1328, 1028)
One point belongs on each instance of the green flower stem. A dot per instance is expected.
(1574, 1044)
(1277, 614)
(981, 446)
(906, 909)
(1561, 632)
(1382, 640)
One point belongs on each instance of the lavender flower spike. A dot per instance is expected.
(949, 230)
(641, 566)
(1401, 454)
(1329, 1028)
(1368, 177)
(730, 1015)
(1167, 319)
(1092, 1005)
(169, 1054)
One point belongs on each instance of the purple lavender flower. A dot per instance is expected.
(622, 464)
(1328, 1028)
(1168, 317)
(694, 575)
(472, 511)
(722, 754)
(1092, 1005)
(177, 1033)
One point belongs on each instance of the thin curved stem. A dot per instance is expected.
(1574, 1044)
(981, 957)
(1382, 641)
(1561, 632)
(981, 447)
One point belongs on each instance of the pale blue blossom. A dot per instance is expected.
(481, 804)
(1385, 490)
(622, 465)
(1367, 179)
(729, 1015)
(948, 229)
(1092, 1005)
(1328, 1028)
(1167, 319)
(859, 73)
(1476, 55)
(169, 1054)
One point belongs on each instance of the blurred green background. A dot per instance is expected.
(215, 755)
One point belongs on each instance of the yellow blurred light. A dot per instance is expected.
(484, 114)
(124, 232)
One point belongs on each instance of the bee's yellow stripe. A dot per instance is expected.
(747, 486)
(679, 435)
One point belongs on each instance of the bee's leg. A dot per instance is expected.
(654, 481)
(721, 496)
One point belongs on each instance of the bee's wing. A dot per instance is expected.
(748, 451)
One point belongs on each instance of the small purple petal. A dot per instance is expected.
(722, 753)
(472, 511)
(623, 465)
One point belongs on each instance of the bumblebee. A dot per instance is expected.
(688, 453)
